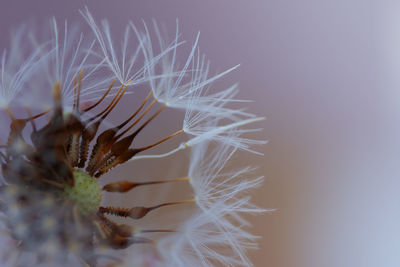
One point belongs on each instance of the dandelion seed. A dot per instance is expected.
(56, 159)
(15, 69)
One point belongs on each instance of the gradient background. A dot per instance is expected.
(326, 76)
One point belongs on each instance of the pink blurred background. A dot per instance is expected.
(326, 76)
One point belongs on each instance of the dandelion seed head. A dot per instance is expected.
(60, 151)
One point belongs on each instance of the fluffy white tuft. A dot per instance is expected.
(17, 66)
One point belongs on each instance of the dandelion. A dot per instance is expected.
(57, 160)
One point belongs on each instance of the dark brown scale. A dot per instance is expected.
(87, 136)
(98, 149)
(127, 155)
(111, 159)
(120, 152)
(118, 148)
(106, 140)
(80, 131)
(75, 128)
(90, 131)
(115, 238)
(121, 186)
(134, 213)
(121, 229)
(119, 157)
(107, 160)
(120, 242)
(114, 211)
(110, 236)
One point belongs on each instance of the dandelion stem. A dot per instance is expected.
(115, 102)
(195, 140)
(102, 98)
(179, 148)
(77, 90)
(139, 212)
(109, 106)
(161, 141)
(125, 186)
(136, 112)
(158, 231)
(137, 120)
